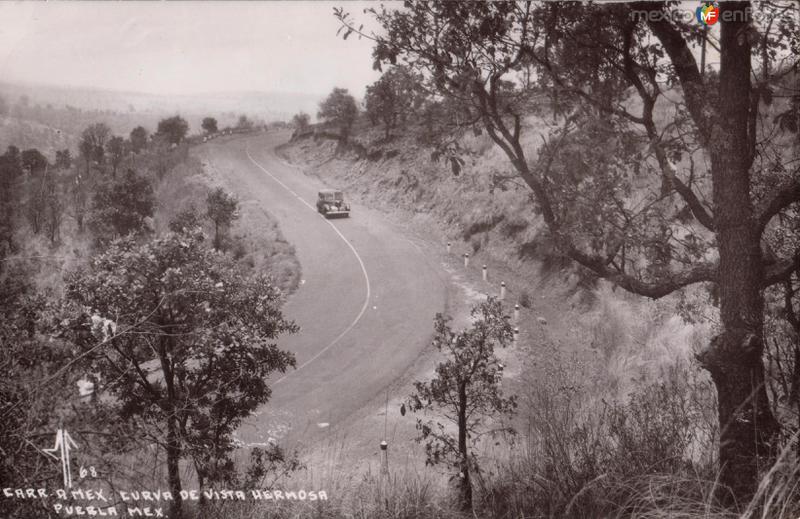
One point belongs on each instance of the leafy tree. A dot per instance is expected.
(40, 185)
(121, 206)
(10, 172)
(93, 143)
(174, 129)
(206, 328)
(116, 152)
(466, 389)
(244, 123)
(340, 110)
(209, 125)
(63, 159)
(33, 161)
(391, 99)
(221, 208)
(301, 121)
(604, 72)
(138, 139)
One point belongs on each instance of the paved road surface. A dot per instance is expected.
(365, 306)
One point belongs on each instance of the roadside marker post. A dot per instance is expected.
(502, 290)
(516, 334)
(484, 273)
(516, 313)
(466, 259)
(448, 247)
(384, 458)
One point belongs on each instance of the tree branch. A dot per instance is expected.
(685, 66)
(779, 200)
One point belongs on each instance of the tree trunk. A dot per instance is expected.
(734, 357)
(466, 484)
(173, 467)
(173, 438)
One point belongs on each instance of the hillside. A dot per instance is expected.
(490, 217)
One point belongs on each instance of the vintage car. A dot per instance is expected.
(330, 202)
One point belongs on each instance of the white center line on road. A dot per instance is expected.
(355, 253)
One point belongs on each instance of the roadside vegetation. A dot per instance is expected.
(135, 313)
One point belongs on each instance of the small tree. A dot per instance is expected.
(93, 142)
(120, 207)
(63, 159)
(339, 109)
(10, 171)
(174, 129)
(116, 152)
(244, 123)
(138, 139)
(207, 328)
(391, 99)
(209, 125)
(301, 121)
(33, 161)
(466, 389)
(222, 209)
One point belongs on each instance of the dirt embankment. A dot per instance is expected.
(567, 316)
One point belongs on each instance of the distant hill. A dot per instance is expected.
(267, 106)
(52, 117)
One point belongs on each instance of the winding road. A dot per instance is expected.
(365, 305)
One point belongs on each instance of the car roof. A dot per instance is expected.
(329, 191)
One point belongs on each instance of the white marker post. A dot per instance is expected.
(484, 273)
(466, 259)
(384, 457)
(516, 313)
(448, 247)
(516, 335)
(502, 290)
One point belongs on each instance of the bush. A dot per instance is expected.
(588, 458)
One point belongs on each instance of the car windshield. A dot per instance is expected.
(329, 196)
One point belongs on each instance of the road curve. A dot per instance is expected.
(365, 305)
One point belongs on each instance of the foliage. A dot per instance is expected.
(138, 139)
(244, 123)
(93, 142)
(33, 161)
(340, 110)
(222, 209)
(121, 206)
(186, 220)
(10, 172)
(29, 411)
(173, 129)
(466, 389)
(63, 159)
(188, 348)
(392, 99)
(301, 121)
(209, 125)
(116, 152)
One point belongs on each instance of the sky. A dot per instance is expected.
(184, 47)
